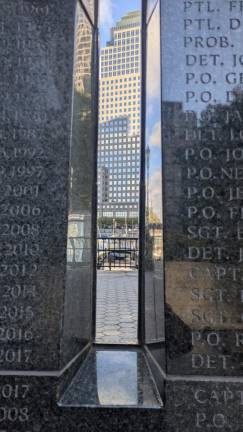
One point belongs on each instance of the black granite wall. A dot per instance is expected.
(46, 190)
(37, 54)
(202, 182)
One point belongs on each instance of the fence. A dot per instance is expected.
(117, 252)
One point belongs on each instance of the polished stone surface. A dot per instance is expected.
(77, 319)
(36, 87)
(39, 201)
(110, 378)
(204, 406)
(117, 307)
(202, 140)
(30, 404)
(190, 406)
(153, 256)
(89, 4)
(150, 7)
(45, 222)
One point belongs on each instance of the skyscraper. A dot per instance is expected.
(119, 118)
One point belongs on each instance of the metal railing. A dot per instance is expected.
(117, 252)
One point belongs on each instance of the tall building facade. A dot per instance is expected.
(118, 170)
(120, 119)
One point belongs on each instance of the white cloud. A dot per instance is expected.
(155, 137)
(106, 16)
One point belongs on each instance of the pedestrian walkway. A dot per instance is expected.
(117, 307)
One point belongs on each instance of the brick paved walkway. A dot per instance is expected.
(117, 307)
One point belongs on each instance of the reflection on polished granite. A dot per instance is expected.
(150, 7)
(113, 378)
(153, 244)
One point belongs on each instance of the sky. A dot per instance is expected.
(110, 12)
